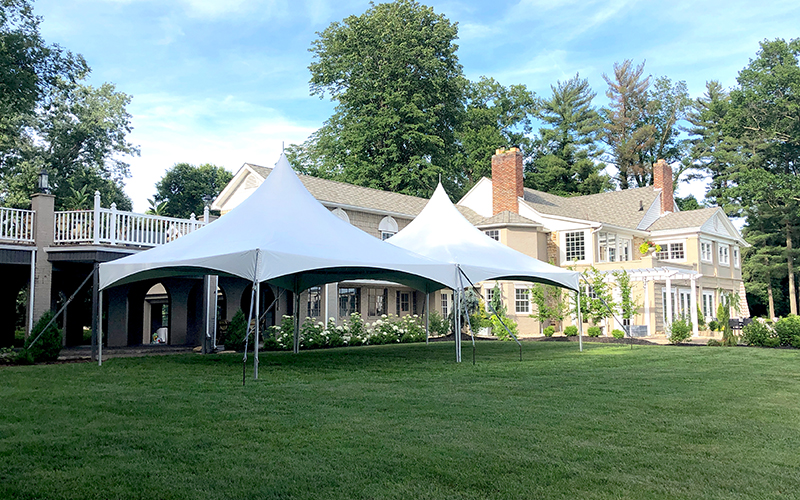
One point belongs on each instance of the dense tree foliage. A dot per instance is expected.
(399, 87)
(182, 189)
(565, 157)
(50, 119)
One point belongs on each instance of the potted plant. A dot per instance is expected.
(649, 247)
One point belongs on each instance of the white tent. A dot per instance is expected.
(441, 233)
(282, 235)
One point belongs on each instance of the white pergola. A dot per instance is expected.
(667, 274)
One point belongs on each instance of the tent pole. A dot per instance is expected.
(247, 335)
(495, 315)
(427, 317)
(255, 336)
(469, 323)
(100, 328)
(296, 322)
(580, 322)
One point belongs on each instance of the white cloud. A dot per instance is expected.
(224, 131)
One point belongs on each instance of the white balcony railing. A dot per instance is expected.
(16, 225)
(110, 226)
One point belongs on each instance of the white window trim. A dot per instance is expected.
(588, 254)
(737, 256)
(710, 258)
(665, 246)
(727, 261)
(496, 231)
(527, 289)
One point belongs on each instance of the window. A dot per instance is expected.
(671, 251)
(388, 227)
(612, 248)
(522, 300)
(493, 234)
(708, 305)
(489, 298)
(724, 256)
(404, 301)
(706, 254)
(414, 303)
(625, 250)
(575, 246)
(445, 305)
(588, 291)
(314, 300)
(736, 257)
(376, 301)
(349, 301)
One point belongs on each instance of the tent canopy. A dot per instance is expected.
(442, 233)
(281, 235)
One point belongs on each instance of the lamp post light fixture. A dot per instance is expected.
(207, 200)
(43, 182)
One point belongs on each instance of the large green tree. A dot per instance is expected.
(765, 118)
(395, 76)
(495, 116)
(49, 119)
(184, 186)
(627, 133)
(564, 158)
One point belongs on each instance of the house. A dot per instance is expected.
(699, 258)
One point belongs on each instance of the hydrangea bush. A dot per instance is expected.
(353, 332)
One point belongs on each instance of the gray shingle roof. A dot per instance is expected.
(507, 217)
(326, 190)
(618, 208)
(680, 220)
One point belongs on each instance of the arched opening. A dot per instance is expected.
(387, 227)
(156, 315)
(338, 212)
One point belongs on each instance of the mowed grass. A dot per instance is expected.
(405, 421)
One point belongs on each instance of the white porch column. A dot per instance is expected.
(668, 304)
(646, 288)
(693, 305)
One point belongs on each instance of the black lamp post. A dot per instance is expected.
(44, 181)
(206, 200)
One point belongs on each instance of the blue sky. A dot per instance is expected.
(226, 81)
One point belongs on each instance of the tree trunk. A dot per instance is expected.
(771, 300)
(792, 293)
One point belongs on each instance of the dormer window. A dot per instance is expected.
(387, 227)
(493, 234)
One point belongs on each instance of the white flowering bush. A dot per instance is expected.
(354, 332)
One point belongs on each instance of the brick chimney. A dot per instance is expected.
(662, 179)
(506, 180)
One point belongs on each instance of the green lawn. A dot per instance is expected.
(406, 422)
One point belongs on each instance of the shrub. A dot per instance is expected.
(594, 331)
(756, 333)
(618, 334)
(772, 342)
(48, 346)
(549, 331)
(438, 325)
(796, 342)
(571, 331)
(787, 328)
(713, 325)
(679, 331)
(234, 337)
(500, 331)
(714, 342)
